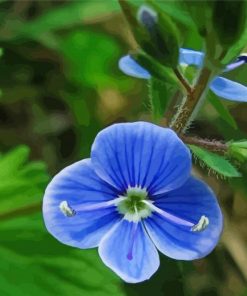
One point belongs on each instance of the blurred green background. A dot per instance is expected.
(60, 84)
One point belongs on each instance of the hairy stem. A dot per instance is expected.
(192, 102)
(211, 145)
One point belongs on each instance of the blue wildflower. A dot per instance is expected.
(133, 196)
(222, 87)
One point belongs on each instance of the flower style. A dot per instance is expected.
(222, 87)
(133, 196)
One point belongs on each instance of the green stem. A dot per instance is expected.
(192, 102)
(183, 81)
(211, 145)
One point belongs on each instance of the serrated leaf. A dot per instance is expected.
(13, 160)
(217, 163)
(21, 183)
(222, 110)
(40, 265)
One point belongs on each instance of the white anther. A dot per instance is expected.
(201, 225)
(66, 209)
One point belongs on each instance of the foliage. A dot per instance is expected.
(60, 85)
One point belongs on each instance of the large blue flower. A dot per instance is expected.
(133, 196)
(222, 87)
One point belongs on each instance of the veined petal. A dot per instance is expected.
(191, 57)
(190, 202)
(141, 154)
(114, 250)
(130, 67)
(79, 186)
(229, 90)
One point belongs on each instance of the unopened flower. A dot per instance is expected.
(133, 196)
(222, 87)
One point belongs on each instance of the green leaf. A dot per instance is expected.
(40, 265)
(215, 162)
(236, 49)
(158, 97)
(21, 184)
(13, 160)
(222, 110)
(229, 32)
(177, 12)
(200, 12)
(154, 68)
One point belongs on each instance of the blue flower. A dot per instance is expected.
(222, 87)
(133, 196)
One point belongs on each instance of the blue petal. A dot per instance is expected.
(79, 186)
(189, 202)
(242, 59)
(142, 154)
(130, 67)
(191, 57)
(114, 247)
(229, 90)
(234, 65)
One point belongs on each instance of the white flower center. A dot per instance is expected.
(134, 205)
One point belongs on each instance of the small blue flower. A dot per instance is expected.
(222, 87)
(133, 196)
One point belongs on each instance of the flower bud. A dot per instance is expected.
(238, 150)
(154, 32)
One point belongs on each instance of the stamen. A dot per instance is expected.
(132, 240)
(66, 209)
(201, 225)
(100, 205)
(169, 216)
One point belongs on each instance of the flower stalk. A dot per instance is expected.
(192, 101)
(211, 145)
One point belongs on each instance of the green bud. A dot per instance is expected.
(238, 150)
(154, 32)
(163, 35)
(229, 20)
